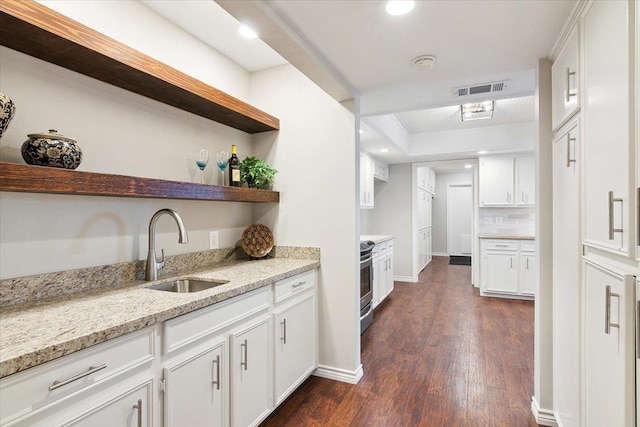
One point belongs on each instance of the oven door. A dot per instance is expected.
(366, 281)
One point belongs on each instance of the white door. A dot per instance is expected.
(459, 219)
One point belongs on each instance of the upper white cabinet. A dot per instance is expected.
(380, 170)
(507, 181)
(525, 181)
(366, 182)
(426, 179)
(565, 83)
(606, 137)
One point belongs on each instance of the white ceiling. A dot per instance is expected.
(352, 48)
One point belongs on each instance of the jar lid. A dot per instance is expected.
(53, 134)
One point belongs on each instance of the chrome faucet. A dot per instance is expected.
(153, 264)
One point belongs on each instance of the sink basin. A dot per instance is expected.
(184, 286)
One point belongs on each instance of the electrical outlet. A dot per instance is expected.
(488, 220)
(213, 240)
(498, 220)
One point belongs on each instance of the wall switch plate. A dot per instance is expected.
(213, 240)
(488, 220)
(498, 220)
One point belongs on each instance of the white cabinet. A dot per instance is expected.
(609, 347)
(380, 170)
(426, 179)
(425, 253)
(496, 181)
(508, 268)
(131, 408)
(382, 271)
(567, 295)
(606, 136)
(425, 200)
(507, 181)
(195, 389)
(525, 181)
(295, 344)
(366, 182)
(250, 380)
(565, 83)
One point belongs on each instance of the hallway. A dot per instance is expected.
(437, 354)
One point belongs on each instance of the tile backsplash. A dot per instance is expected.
(507, 221)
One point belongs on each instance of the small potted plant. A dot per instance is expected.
(256, 173)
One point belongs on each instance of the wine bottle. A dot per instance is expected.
(234, 168)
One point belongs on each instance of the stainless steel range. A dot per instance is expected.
(366, 285)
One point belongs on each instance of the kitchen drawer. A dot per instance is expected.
(26, 393)
(502, 245)
(528, 246)
(191, 327)
(286, 288)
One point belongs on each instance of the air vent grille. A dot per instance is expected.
(483, 88)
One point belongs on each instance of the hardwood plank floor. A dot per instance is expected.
(437, 354)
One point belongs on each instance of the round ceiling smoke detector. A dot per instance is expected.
(423, 62)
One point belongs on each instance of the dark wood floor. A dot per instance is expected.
(437, 354)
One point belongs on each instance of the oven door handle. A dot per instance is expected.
(368, 312)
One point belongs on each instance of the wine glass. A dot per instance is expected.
(223, 158)
(202, 159)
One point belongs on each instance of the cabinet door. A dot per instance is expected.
(496, 181)
(429, 246)
(377, 278)
(528, 274)
(609, 351)
(564, 75)
(390, 272)
(525, 181)
(429, 211)
(250, 374)
(132, 408)
(295, 345)
(501, 272)
(606, 126)
(195, 389)
(567, 253)
(363, 180)
(422, 208)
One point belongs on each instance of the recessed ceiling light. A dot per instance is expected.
(384, 150)
(482, 152)
(468, 166)
(247, 32)
(399, 7)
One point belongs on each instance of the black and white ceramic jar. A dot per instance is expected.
(51, 149)
(7, 111)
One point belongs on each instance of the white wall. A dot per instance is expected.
(439, 208)
(315, 155)
(119, 132)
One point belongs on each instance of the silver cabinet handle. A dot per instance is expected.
(216, 363)
(502, 246)
(613, 230)
(607, 312)
(510, 262)
(569, 141)
(523, 197)
(92, 369)
(637, 329)
(246, 361)
(508, 197)
(284, 331)
(138, 407)
(527, 263)
(297, 285)
(568, 93)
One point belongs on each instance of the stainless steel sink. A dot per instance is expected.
(184, 286)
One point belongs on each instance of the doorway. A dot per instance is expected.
(459, 219)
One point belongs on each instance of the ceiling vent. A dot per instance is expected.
(483, 88)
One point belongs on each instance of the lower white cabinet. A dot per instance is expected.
(250, 373)
(382, 271)
(609, 347)
(425, 251)
(195, 389)
(507, 268)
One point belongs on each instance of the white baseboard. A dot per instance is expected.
(440, 254)
(558, 420)
(543, 417)
(403, 279)
(351, 377)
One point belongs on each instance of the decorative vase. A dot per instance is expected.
(51, 149)
(7, 111)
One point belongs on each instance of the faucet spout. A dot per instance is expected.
(151, 272)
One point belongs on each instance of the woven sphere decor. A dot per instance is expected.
(257, 240)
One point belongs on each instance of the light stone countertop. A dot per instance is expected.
(376, 238)
(35, 333)
(506, 236)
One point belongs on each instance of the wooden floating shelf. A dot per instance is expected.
(33, 29)
(39, 179)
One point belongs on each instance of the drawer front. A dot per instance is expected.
(190, 327)
(502, 245)
(38, 388)
(528, 246)
(286, 288)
